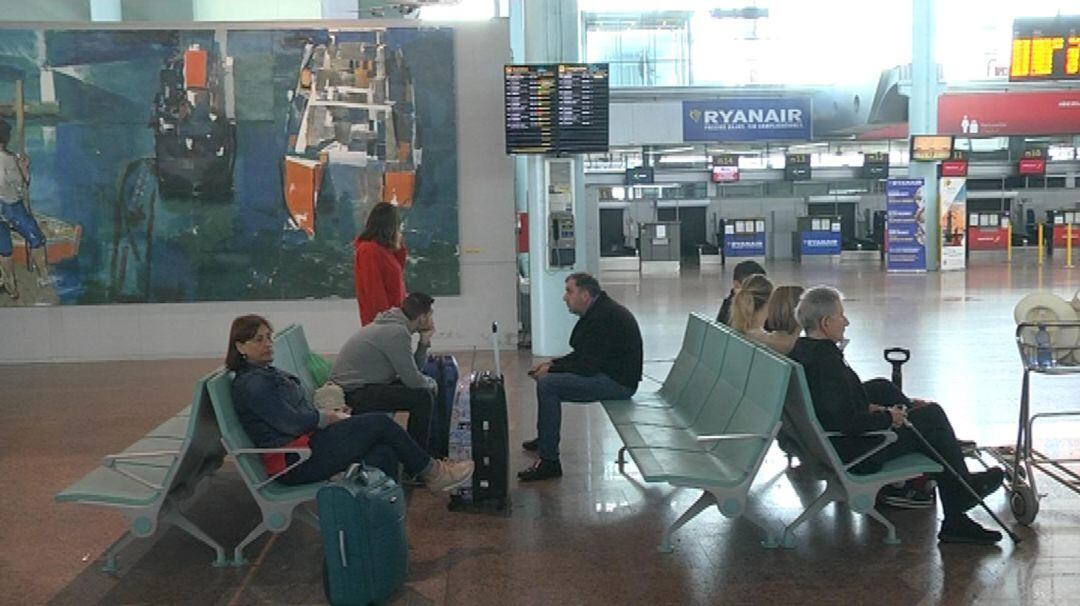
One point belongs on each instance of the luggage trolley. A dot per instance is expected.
(1021, 461)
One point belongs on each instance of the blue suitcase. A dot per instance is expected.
(444, 369)
(365, 550)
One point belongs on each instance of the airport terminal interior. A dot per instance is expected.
(193, 161)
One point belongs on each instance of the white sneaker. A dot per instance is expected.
(446, 475)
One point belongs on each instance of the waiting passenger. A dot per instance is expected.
(379, 263)
(743, 270)
(275, 412)
(379, 371)
(750, 310)
(842, 405)
(605, 364)
(782, 304)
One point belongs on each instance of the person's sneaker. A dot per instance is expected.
(962, 529)
(905, 496)
(446, 475)
(541, 469)
(531, 445)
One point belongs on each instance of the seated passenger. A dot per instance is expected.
(379, 371)
(605, 364)
(743, 270)
(750, 310)
(842, 405)
(275, 413)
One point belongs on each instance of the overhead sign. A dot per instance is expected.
(906, 222)
(1009, 113)
(931, 148)
(797, 167)
(744, 119)
(1045, 49)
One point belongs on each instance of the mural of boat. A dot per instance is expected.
(194, 137)
(351, 127)
(62, 240)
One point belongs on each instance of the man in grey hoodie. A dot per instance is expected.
(380, 372)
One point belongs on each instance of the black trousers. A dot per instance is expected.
(932, 423)
(394, 397)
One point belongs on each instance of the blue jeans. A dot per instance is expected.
(374, 439)
(553, 389)
(14, 215)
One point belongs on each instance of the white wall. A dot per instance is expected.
(189, 330)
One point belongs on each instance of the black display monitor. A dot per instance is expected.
(557, 108)
(875, 166)
(797, 167)
(642, 175)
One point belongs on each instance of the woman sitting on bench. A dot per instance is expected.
(276, 413)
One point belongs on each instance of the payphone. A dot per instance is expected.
(561, 232)
(561, 240)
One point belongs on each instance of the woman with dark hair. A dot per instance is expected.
(275, 412)
(379, 264)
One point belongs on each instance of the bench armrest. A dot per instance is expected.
(889, 435)
(304, 453)
(109, 462)
(732, 436)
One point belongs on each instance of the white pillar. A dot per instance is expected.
(923, 117)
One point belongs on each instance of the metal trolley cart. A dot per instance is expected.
(1021, 461)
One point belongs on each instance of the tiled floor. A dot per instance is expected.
(589, 538)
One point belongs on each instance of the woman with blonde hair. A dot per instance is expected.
(749, 311)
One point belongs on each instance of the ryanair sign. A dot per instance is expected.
(743, 119)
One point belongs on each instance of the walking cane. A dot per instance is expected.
(956, 474)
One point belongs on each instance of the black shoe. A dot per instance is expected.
(962, 529)
(532, 445)
(985, 483)
(542, 469)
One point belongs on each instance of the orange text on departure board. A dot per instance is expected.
(1034, 57)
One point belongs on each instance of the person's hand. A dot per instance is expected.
(540, 369)
(426, 332)
(339, 414)
(898, 414)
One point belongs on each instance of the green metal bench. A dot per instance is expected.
(150, 480)
(716, 434)
(278, 503)
(818, 457)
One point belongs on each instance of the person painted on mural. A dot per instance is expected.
(379, 264)
(14, 214)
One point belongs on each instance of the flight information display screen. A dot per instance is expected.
(558, 108)
(1045, 49)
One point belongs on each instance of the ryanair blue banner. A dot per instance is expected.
(819, 243)
(743, 119)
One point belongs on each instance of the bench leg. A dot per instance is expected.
(769, 542)
(305, 514)
(826, 497)
(238, 553)
(704, 502)
(177, 519)
(110, 553)
(621, 460)
(890, 538)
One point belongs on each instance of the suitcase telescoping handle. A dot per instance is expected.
(495, 345)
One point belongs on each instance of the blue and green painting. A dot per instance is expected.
(219, 165)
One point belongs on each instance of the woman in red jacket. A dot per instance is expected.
(379, 266)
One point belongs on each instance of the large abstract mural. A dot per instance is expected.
(216, 165)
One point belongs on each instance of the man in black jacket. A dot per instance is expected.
(605, 364)
(842, 405)
(743, 270)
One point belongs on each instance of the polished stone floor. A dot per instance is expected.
(591, 537)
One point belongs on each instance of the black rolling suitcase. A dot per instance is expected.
(481, 430)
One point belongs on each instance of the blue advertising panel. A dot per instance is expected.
(906, 225)
(744, 245)
(747, 119)
(819, 243)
